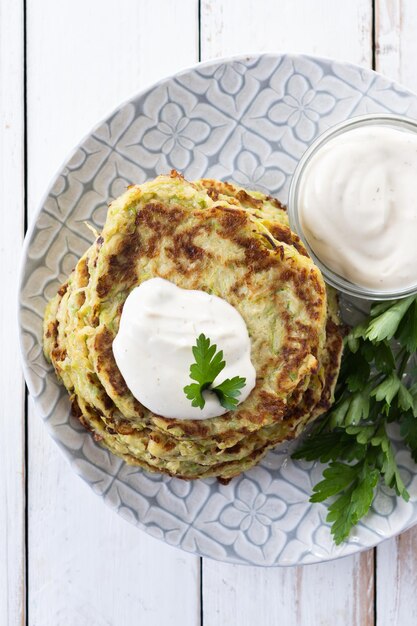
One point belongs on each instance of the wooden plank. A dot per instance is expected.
(396, 40)
(12, 470)
(110, 52)
(341, 592)
(322, 27)
(396, 581)
(329, 594)
(87, 566)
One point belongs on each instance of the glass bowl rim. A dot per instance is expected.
(331, 277)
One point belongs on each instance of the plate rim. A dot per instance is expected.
(354, 547)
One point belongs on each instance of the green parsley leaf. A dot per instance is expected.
(392, 477)
(407, 329)
(228, 391)
(385, 325)
(363, 434)
(405, 399)
(208, 362)
(386, 462)
(358, 408)
(338, 412)
(355, 334)
(351, 409)
(380, 307)
(358, 378)
(413, 391)
(208, 365)
(370, 393)
(194, 393)
(387, 389)
(336, 478)
(352, 342)
(353, 503)
(354, 485)
(330, 446)
(383, 357)
(409, 432)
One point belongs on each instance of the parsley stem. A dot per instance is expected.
(377, 377)
(403, 364)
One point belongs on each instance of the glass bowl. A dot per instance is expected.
(331, 277)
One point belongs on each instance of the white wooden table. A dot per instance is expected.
(66, 559)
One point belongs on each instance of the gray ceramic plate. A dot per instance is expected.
(248, 120)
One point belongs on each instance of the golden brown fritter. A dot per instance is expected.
(221, 239)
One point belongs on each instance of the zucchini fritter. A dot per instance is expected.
(229, 242)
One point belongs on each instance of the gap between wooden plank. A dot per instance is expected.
(373, 35)
(26, 408)
(201, 559)
(375, 554)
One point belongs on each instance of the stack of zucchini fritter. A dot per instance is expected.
(227, 241)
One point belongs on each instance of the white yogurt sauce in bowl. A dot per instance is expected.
(159, 326)
(353, 200)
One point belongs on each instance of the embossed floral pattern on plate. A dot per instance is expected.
(248, 120)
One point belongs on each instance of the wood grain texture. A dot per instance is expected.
(85, 58)
(88, 567)
(338, 593)
(12, 471)
(396, 583)
(321, 27)
(396, 40)
(396, 601)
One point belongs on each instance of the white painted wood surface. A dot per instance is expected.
(293, 596)
(321, 27)
(329, 594)
(87, 566)
(12, 486)
(83, 59)
(396, 40)
(396, 582)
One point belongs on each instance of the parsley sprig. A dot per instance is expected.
(208, 365)
(370, 393)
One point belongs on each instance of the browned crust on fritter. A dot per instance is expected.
(154, 222)
(270, 404)
(120, 265)
(334, 351)
(184, 252)
(215, 187)
(192, 428)
(63, 289)
(279, 231)
(52, 331)
(283, 233)
(58, 354)
(83, 273)
(79, 415)
(105, 361)
(334, 345)
(243, 196)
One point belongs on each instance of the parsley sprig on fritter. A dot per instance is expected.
(208, 365)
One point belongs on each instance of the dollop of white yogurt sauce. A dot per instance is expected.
(358, 206)
(159, 326)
